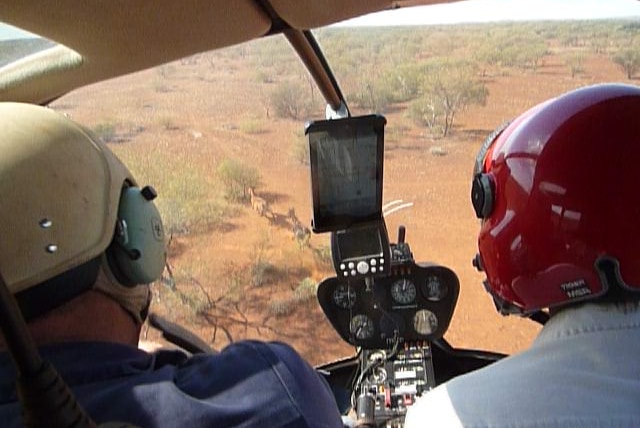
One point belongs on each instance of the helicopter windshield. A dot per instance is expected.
(220, 135)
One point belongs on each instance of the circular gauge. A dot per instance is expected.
(433, 289)
(425, 322)
(344, 296)
(362, 327)
(403, 291)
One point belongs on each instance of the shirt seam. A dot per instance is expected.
(581, 331)
(261, 350)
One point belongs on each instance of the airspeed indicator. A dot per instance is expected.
(362, 327)
(403, 291)
(344, 296)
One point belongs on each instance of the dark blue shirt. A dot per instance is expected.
(248, 384)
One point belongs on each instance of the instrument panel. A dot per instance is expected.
(395, 381)
(414, 303)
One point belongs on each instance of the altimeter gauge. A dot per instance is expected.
(362, 327)
(434, 289)
(425, 322)
(344, 296)
(403, 291)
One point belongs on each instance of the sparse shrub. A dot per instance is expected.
(629, 60)
(265, 76)
(575, 62)
(106, 131)
(300, 149)
(289, 100)
(396, 131)
(374, 96)
(599, 43)
(168, 123)
(427, 111)
(511, 49)
(174, 217)
(237, 178)
(166, 70)
(234, 276)
(305, 291)
(252, 126)
(162, 88)
(437, 151)
(261, 267)
(448, 88)
(184, 216)
(280, 307)
(260, 272)
(194, 299)
(323, 254)
(532, 54)
(190, 201)
(403, 82)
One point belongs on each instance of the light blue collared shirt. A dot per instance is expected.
(583, 370)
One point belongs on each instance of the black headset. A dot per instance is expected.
(482, 187)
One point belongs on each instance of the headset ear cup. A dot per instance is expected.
(483, 195)
(137, 254)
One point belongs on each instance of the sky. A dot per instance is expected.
(501, 10)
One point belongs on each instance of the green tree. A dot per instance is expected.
(510, 49)
(629, 60)
(532, 54)
(575, 62)
(289, 100)
(447, 89)
(372, 95)
(403, 81)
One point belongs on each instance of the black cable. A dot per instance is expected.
(16, 336)
(46, 399)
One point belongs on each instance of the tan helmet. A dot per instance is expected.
(60, 189)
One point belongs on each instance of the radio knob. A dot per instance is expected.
(363, 267)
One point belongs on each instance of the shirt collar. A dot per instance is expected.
(589, 318)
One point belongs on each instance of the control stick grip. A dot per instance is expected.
(401, 234)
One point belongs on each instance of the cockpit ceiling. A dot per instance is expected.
(121, 36)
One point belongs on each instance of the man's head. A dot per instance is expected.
(70, 209)
(557, 193)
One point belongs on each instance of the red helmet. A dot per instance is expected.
(557, 192)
